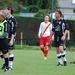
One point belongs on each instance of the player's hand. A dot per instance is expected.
(68, 38)
(39, 37)
(52, 39)
(11, 43)
(63, 38)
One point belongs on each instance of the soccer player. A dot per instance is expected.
(4, 31)
(59, 30)
(12, 33)
(13, 24)
(68, 33)
(44, 35)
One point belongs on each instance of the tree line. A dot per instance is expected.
(19, 5)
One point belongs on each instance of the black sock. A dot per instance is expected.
(6, 62)
(64, 49)
(11, 58)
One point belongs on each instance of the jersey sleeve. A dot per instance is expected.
(51, 27)
(14, 26)
(40, 30)
(66, 25)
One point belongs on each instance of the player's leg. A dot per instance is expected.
(61, 44)
(11, 56)
(42, 44)
(73, 62)
(47, 44)
(64, 47)
(63, 55)
(6, 62)
(59, 57)
(1, 55)
(4, 52)
(42, 48)
(46, 52)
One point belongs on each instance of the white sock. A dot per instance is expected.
(59, 58)
(64, 56)
(11, 61)
(10, 64)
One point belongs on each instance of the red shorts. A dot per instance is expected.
(45, 41)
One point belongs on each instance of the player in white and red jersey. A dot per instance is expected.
(44, 35)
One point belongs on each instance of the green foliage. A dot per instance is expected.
(31, 8)
(16, 4)
(20, 5)
(43, 4)
(42, 13)
(74, 10)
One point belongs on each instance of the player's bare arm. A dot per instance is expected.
(68, 35)
(64, 35)
(11, 41)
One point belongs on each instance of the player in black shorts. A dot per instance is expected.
(59, 30)
(68, 33)
(12, 33)
(4, 31)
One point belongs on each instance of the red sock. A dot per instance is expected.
(42, 49)
(46, 53)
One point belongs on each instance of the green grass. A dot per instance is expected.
(29, 61)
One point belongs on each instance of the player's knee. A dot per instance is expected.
(41, 46)
(10, 52)
(11, 57)
(46, 47)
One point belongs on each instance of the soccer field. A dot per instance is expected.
(31, 62)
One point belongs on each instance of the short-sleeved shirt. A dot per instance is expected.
(59, 27)
(12, 25)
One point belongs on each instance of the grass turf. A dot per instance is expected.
(29, 61)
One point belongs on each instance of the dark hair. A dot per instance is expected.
(62, 16)
(48, 16)
(10, 8)
(59, 12)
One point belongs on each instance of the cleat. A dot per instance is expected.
(3, 67)
(6, 70)
(65, 63)
(45, 58)
(59, 64)
(10, 68)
